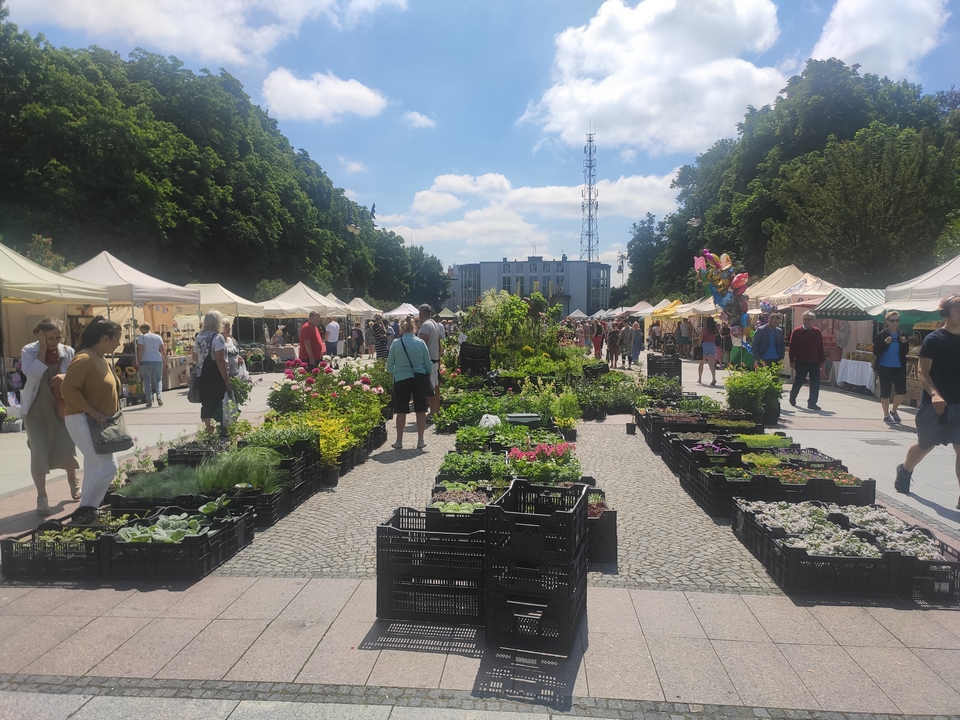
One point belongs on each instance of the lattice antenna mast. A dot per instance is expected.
(589, 237)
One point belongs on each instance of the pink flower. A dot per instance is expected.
(310, 381)
(315, 371)
(333, 394)
(289, 363)
(328, 371)
(341, 383)
(322, 364)
(314, 394)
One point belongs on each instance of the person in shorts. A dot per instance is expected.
(890, 349)
(938, 417)
(686, 338)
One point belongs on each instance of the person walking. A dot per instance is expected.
(637, 342)
(91, 391)
(213, 378)
(708, 342)
(613, 344)
(626, 346)
(685, 346)
(151, 354)
(432, 333)
(44, 363)
(231, 351)
(311, 345)
(369, 343)
(768, 341)
(890, 349)
(726, 345)
(407, 355)
(379, 331)
(331, 336)
(806, 357)
(938, 417)
(597, 338)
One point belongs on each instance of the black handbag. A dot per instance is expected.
(422, 385)
(111, 438)
(193, 393)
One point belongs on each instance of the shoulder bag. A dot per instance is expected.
(422, 386)
(113, 437)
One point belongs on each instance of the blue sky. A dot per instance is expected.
(465, 121)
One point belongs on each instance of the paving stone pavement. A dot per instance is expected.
(665, 540)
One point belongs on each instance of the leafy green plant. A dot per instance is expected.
(662, 388)
(761, 460)
(700, 404)
(172, 481)
(165, 529)
(253, 465)
(472, 438)
(480, 467)
(510, 436)
(565, 405)
(751, 390)
(764, 441)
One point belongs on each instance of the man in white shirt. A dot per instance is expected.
(150, 358)
(431, 332)
(331, 336)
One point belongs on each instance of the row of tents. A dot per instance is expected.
(789, 287)
(106, 285)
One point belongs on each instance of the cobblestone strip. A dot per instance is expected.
(666, 541)
(410, 697)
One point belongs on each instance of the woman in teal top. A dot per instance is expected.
(890, 350)
(408, 354)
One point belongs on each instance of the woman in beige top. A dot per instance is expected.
(91, 389)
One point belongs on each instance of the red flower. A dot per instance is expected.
(328, 371)
(289, 363)
(310, 381)
(333, 395)
(315, 371)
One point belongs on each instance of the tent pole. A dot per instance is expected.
(3, 359)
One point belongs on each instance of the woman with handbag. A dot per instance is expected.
(213, 379)
(91, 391)
(41, 406)
(408, 360)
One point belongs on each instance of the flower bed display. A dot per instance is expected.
(826, 548)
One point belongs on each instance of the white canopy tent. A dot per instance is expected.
(342, 309)
(24, 284)
(128, 286)
(280, 309)
(306, 298)
(635, 310)
(773, 284)
(808, 287)
(359, 302)
(577, 314)
(938, 283)
(403, 310)
(214, 296)
(648, 311)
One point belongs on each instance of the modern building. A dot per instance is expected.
(573, 284)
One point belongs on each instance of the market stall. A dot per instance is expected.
(28, 293)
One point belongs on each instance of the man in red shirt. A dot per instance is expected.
(806, 357)
(311, 346)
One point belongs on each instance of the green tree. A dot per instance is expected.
(269, 289)
(428, 282)
(40, 250)
(869, 211)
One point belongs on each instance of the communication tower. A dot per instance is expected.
(589, 237)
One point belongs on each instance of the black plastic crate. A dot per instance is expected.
(406, 546)
(602, 537)
(430, 599)
(429, 575)
(191, 458)
(548, 625)
(796, 571)
(192, 558)
(535, 522)
(437, 521)
(124, 504)
(715, 493)
(933, 580)
(270, 508)
(547, 579)
(22, 556)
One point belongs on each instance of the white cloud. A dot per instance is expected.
(224, 31)
(351, 166)
(886, 37)
(430, 202)
(321, 97)
(418, 120)
(664, 76)
(499, 219)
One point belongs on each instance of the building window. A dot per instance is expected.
(545, 286)
(536, 286)
(521, 289)
(506, 268)
(519, 267)
(559, 284)
(546, 267)
(507, 284)
(533, 268)
(559, 267)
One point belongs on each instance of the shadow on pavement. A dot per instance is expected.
(948, 513)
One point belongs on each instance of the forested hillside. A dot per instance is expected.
(853, 178)
(180, 175)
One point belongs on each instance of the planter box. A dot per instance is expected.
(796, 571)
(538, 523)
(715, 493)
(602, 537)
(23, 557)
(190, 559)
(428, 575)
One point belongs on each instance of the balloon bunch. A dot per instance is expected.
(717, 275)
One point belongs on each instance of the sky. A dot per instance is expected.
(465, 121)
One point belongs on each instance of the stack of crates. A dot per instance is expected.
(429, 575)
(536, 568)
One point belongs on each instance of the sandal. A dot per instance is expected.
(74, 488)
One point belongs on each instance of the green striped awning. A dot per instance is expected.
(849, 303)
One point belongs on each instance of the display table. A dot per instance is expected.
(856, 372)
(286, 352)
(176, 372)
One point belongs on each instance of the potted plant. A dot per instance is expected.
(333, 441)
(567, 428)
